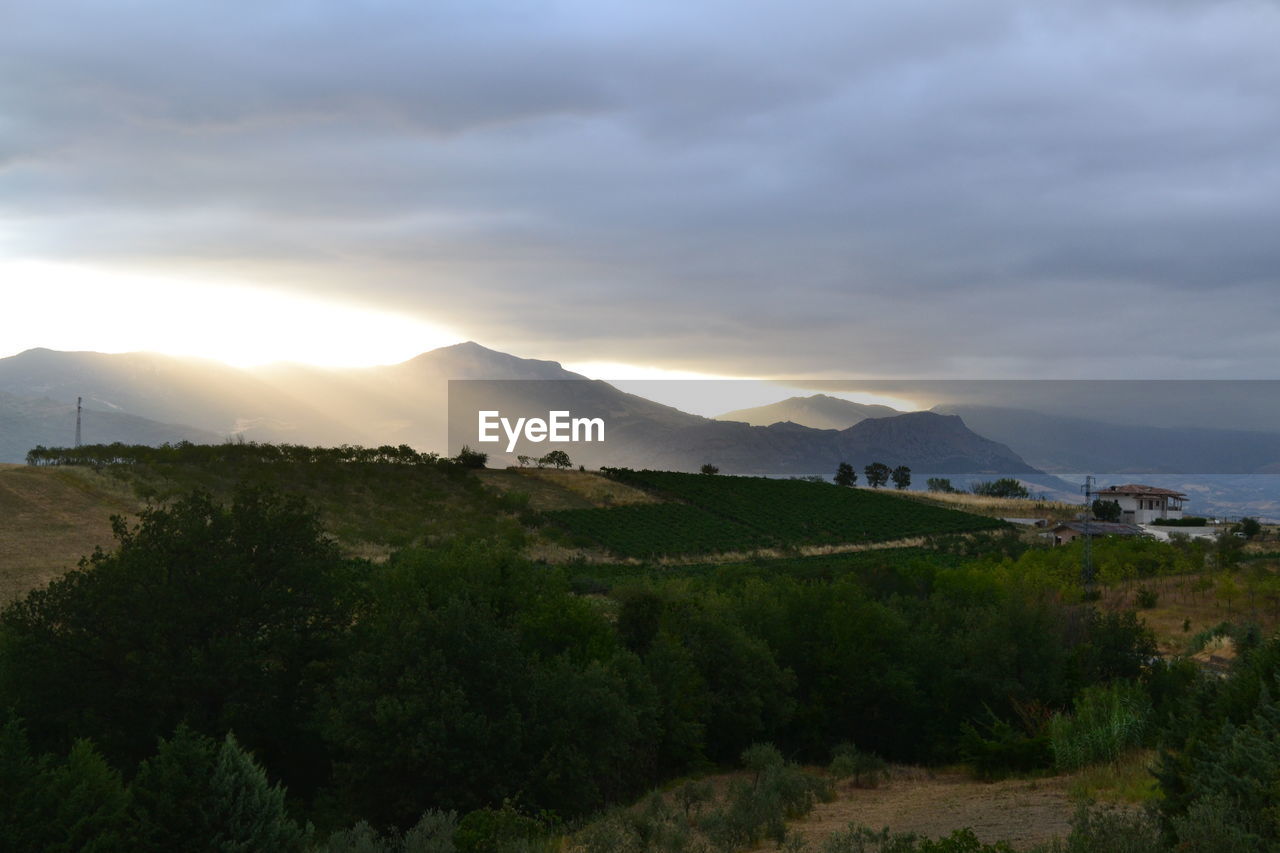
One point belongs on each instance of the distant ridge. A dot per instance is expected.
(26, 423)
(818, 411)
(407, 403)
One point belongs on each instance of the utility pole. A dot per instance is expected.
(78, 399)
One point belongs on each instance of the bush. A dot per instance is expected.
(866, 769)
(1147, 597)
(1108, 720)
(469, 458)
(996, 747)
(490, 830)
(860, 839)
(1112, 830)
(780, 792)
(432, 834)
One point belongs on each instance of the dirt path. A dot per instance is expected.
(1021, 811)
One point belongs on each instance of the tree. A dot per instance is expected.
(469, 458)
(1106, 510)
(877, 474)
(557, 459)
(941, 484)
(1005, 487)
(204, 613)
(196, 794)
(1250, 527)
(709, 469)
(845, 475)
(524, 460)
(901, 477)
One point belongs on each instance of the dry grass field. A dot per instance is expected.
(1189, 604)
(49, 519)
(934, 802)
(1024, 812)
(1001, 507)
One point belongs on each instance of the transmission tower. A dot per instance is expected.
(78, 421)
(1086, 555)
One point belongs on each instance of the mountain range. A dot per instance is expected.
(147, 398)
(1058, 443)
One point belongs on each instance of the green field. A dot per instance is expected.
(709, 514)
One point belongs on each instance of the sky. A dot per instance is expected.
(988, 189)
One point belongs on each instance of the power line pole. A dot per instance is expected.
(78, 399)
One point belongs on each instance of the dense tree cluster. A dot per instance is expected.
(1004, 487)
(228, 453)
(164, 694)
(458, 680)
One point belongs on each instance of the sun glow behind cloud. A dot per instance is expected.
(709, 394)
(62, 306)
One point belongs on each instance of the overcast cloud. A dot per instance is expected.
(1067, 188)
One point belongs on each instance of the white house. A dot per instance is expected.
(1144, 504)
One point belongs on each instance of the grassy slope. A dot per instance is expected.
(50, 518)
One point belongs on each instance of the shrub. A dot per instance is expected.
(1108, 720)
(1112, 830)
(1147, 597)
(780, 792)
(490, 830)
(997, 747)
(469, 458)
(866, 769)
(432, 834)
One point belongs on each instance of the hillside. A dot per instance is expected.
(818, 411)
(26, 423)
(50, 518)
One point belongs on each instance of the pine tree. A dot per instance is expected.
(248, 813)
(85, 805)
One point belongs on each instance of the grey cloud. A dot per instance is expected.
(914, 188)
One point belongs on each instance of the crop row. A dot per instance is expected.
(714, 513)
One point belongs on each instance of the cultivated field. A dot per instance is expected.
(708, 514)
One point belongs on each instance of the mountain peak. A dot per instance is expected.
(819, 411)
(470, 360)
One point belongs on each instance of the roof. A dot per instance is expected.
(1102, 528)
(1148, 491)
